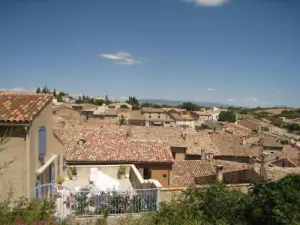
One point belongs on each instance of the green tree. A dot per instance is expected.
(134, 102)
(274, 202)
(123, 106)
(107, 100)
(38, 90)
(227, 116)
(54, 93)
(45, 90)
(99, 102)
(189, 106)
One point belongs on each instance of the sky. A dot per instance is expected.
(240, 52)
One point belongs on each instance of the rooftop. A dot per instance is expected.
(184, 172)
(108, 145)
(136, 115)
(21, 107)
(152, 110)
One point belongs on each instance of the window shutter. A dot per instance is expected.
(42, 142)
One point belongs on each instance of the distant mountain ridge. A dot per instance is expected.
(177, 102)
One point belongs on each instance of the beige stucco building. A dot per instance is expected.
(36, 155)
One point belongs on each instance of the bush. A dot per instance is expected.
(27, 211)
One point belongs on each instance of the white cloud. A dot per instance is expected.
(18, 89)
(123, 58)
(210, 89)
(252, 99)
(231, 99)
(212, 3)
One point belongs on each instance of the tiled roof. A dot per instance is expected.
(109, 144)
(136, 115)
(152, 110)
(238, 130)
(184, 172)
(230, 145)
(89, 107)
(110, 112)
(194, 141)
(276, 173)
(21, 107)
(177, 117)
(268, 141)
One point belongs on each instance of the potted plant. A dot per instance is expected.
(73, 170)
(121, 172)
(60, 180)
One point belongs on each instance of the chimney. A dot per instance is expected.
(202, 154)
(244, 141)
(219, 173)
(81, 141)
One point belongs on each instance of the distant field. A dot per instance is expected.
(275, 111)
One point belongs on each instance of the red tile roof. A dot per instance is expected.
(21, 107)
(110, 145)
(184, 172)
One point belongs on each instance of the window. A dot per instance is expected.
(42, 142)
(158, 117)
(164, 176)
(147, 173)
(149, 116)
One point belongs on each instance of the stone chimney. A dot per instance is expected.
(202, 154)
(81, 141)
(219, 173)
(244, 141)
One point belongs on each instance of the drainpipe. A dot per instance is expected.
(27, 161)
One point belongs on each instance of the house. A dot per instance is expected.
(34, 150)
(271, 144)
(111, 145)
(195, 172)
(88, 110)
(68, 114)
(117, 105)
(202, 115)
(156, 117)
(181, 117)
(137, 118)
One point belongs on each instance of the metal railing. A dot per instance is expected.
(86, 202)
(95, 203)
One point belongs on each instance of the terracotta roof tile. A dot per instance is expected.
(184, 172)
(110, 144)
(21, 107)
(152, 110)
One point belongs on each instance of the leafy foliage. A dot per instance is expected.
(267, 203)
(227, 116)
(38, 90)
(189, 106)
(134, 102)
(27, 211)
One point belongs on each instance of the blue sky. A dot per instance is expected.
(242, 52)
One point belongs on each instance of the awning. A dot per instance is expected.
(46, 165)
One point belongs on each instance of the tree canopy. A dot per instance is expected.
(227, 116)
(189, 106)
(267, 202)
(38, 90)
